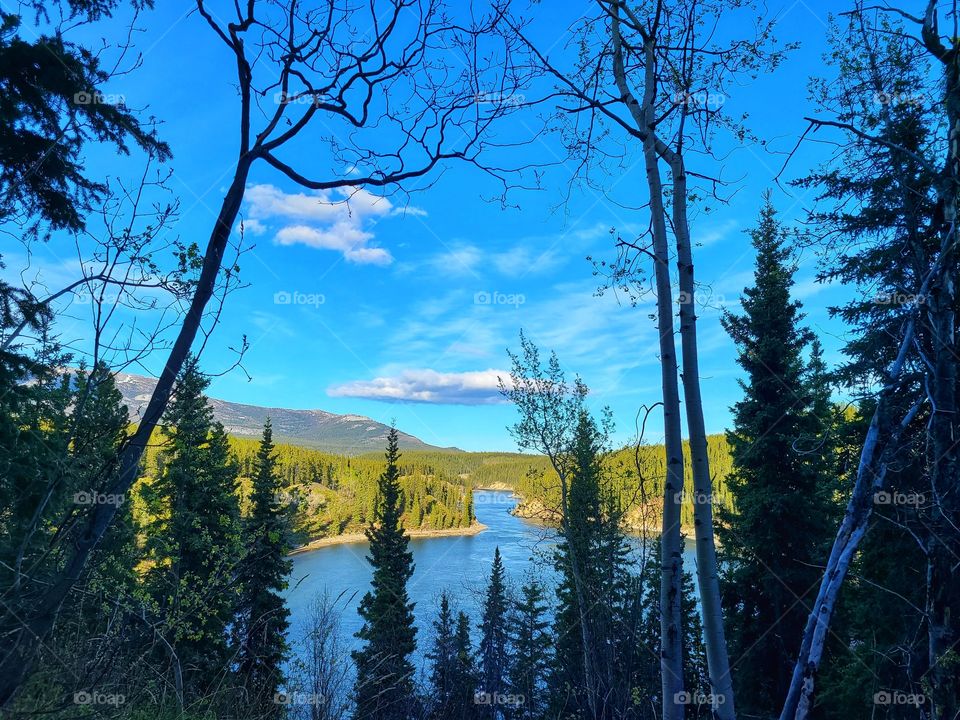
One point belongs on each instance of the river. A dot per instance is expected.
(459, 564)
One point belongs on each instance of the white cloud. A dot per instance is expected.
(534, 255)
(428, 386)
(339, 220)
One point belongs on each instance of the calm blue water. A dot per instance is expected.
(459, 564)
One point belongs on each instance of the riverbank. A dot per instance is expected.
(475, 529)
(633, 523)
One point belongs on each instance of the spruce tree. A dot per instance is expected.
(494, 642)
(452, 683)
(464, 705)
(99, 424)
(443, 662)
(262, 613)
(193, 537)
(593, 548)
(530, 661)
(879, 235)
(772, 539)
(384, 684)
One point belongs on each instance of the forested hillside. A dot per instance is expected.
(635, 478)
(335, 494)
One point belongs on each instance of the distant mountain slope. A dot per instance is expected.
(347, 434)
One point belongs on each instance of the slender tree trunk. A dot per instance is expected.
(880, 443)
(943, 568)
(671, 547)
(36, 622)
(718, 661)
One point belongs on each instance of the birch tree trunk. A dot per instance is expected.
(879, 445)
(671, 548)
(943, 571)
(718, 662)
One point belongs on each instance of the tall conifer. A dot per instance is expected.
(384, 687)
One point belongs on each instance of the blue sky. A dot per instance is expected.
(402, 308)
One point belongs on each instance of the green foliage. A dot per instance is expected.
(594, 621)
(261, 623)
(634, 479)
(530, 660)
(337, 494)
(773, 539)
(453, 678)
(193, 543)
(384, 685)
(494, 660)
(50, 108)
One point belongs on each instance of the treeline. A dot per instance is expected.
(635, 478)
(336, 494)
(590, 646)
(180, 612)
(583, 648)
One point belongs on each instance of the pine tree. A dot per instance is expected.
(193, 538)
(531, 643)
(98, 631)
(771, 542)
(384, 684)
(443, 662)
(99, 425)
(464, 705)
(879, 229)
(262, 613)
(494, 642)
(452, 675)
(594, 549)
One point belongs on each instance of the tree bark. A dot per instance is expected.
(718, 661)
(943, 570)
(671, 541)
(878, 446)
(671, 546)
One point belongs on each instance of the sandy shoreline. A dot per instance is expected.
(475, 529)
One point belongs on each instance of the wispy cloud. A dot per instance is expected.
(340, 220)
(424, 385)
(535, 255)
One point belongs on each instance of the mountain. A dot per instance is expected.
(345, 434)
